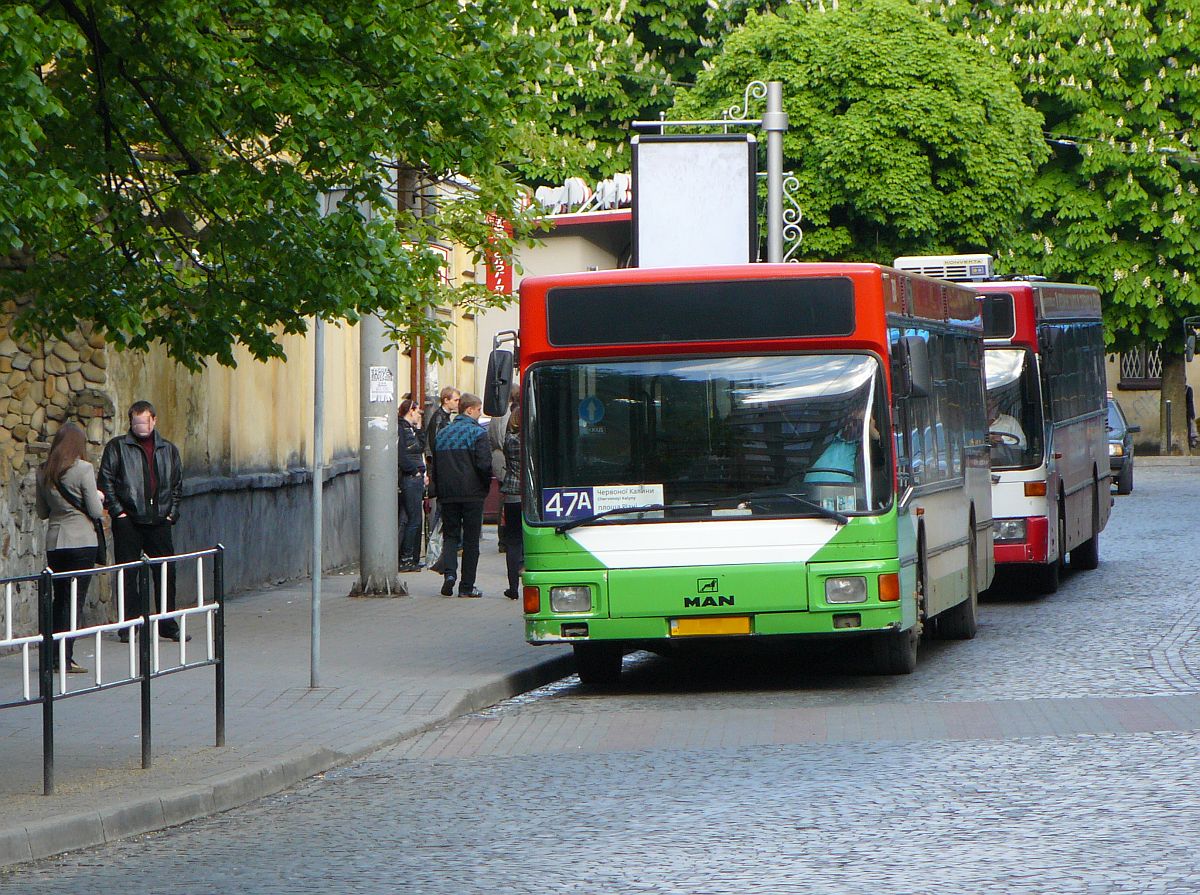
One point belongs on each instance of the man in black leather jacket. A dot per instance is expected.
(142, 480)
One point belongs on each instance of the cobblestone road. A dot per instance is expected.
(1058, 752)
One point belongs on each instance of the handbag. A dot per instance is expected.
(98, 524)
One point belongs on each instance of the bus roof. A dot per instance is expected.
(923, 298)
(1051, 300)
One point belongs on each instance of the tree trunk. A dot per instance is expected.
(1174, 383)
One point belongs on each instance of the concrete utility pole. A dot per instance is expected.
(379, 545)
(318, 493)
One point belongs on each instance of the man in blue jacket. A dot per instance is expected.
(462, 468)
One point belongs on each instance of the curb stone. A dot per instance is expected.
(239, 787)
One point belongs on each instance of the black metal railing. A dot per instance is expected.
(140, 631)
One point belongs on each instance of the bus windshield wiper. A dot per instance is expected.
(564, 527)
(839, 518)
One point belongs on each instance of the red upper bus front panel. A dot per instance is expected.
(1024, 317)
(875, 293)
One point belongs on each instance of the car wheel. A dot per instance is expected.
(1125, 480)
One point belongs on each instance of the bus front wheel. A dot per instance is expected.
(895, 652)
(598, 664)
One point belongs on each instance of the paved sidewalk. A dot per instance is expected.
(390, 668)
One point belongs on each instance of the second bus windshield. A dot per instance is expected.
(1014, 408)
(713, 428)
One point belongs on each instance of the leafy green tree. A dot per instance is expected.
(1118, 203)
(163, 161)
(614, 61)
(904, 138)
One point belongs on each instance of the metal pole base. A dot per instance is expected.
(386, 587)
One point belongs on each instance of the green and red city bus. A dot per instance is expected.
(1044, 360)
(750, 451)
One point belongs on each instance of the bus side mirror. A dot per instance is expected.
(1133, 429)
(920, 381)
(498, 390)
(1189, 348)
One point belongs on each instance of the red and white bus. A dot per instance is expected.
(1044, 360)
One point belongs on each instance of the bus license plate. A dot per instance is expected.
(702, 627)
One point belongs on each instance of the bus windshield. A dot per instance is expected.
(1014, 408)
(745, 436)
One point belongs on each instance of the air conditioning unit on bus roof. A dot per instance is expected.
(948, 267)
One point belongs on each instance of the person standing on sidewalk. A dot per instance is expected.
(497, 428)
(437, 420)
(68, 498)
(510, 492)
(411, 457)
(462, 469)
(142, 479)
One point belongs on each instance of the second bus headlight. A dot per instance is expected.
(1009, 530)
(852, 589)
(571, 598)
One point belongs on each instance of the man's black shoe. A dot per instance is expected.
(448, 586)
(473, 592)
(173, 635)
(437, 567)
(123, 635)
(510, 593)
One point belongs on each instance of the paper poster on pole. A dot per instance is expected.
(383, 385)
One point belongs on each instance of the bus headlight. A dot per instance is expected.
(571, 598)
(852, 589)
(1116, 449)
(1009, 530)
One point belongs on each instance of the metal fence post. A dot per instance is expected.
(1169, 433)
(145, 594)
(219, 637)
(46, 676)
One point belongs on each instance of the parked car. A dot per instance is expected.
(1120, 447)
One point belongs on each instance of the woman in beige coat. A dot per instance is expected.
(71, 536)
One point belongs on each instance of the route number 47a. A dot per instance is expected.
(568, 503)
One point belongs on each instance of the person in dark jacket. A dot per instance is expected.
(411, 458)
(437, 420)
(142, 479)
(510, 490)
(462, 468)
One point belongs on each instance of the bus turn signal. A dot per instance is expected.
(1035, 489)
(532, 599)
(889, 588)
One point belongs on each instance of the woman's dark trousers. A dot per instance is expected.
(72, 559)
(412, 496)
(514, 546)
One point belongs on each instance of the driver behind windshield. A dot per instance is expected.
(1003, 424)
(838, 462)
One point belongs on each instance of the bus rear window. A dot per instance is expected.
(657, 313)
(999, 321)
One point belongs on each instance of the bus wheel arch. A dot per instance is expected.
(895, 651)
(961, 621)
(1086, 556)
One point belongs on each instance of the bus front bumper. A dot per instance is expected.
(846, 621)
(1026, 547)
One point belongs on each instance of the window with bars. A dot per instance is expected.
(1141, 368)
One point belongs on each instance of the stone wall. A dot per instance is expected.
(43, 385)
(244, 435)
